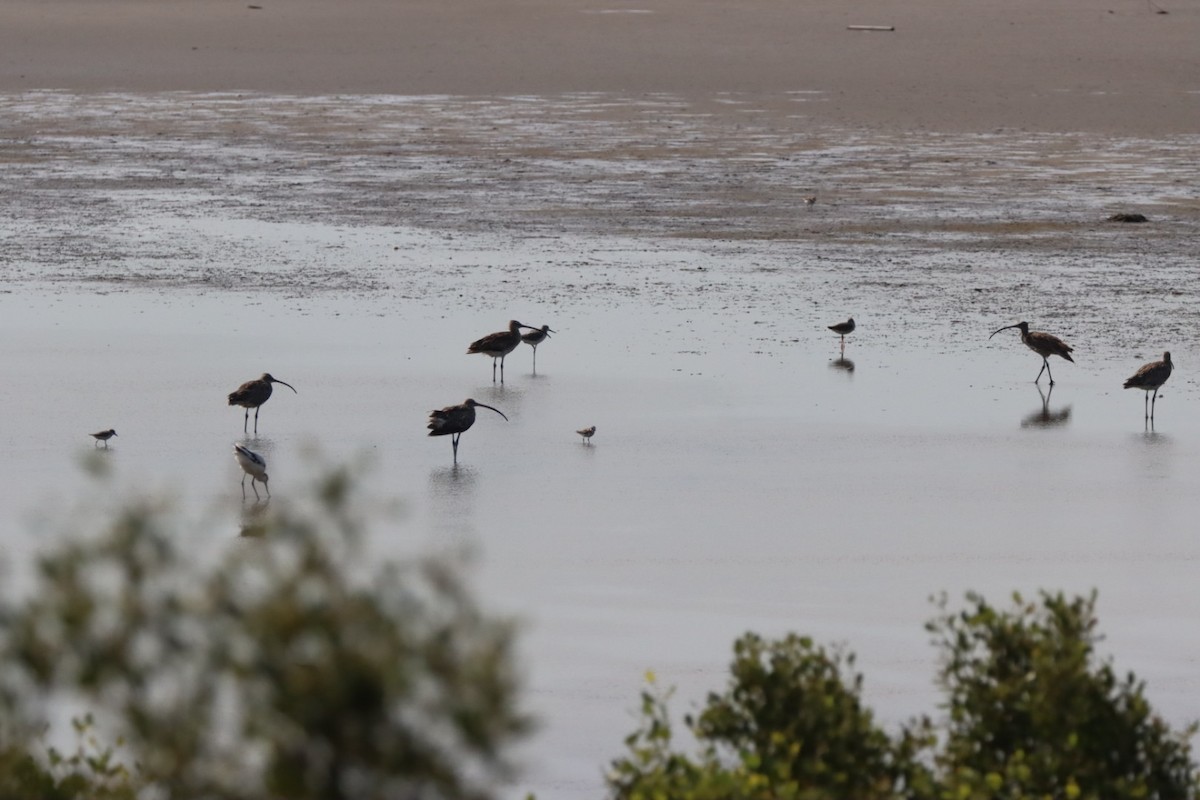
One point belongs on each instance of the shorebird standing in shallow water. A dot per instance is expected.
(253, 465)
(1151, 377)
(103, 436)
(587, 434)
(453, 420)
(252, 394)
(843, 329)
(498, 345)
(1045, 345)
(534, 338)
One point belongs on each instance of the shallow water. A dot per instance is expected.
(741, 477)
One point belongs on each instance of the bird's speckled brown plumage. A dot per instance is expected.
(253, 394)
(453, 420)
(498, 345)
(1044, 344)
(1150, 378)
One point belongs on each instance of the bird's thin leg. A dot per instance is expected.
(493, 369)
(255, 488)
(1152, 402)
(454, 442)
(1146, 404)
(502, 368)
(256, 419)
(243, 486)
(246, 421)
(535, 359)
(267, 486)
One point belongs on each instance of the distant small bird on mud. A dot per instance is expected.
(1151, 377)
(843, 329)
(1044, 344)
(810, 201)
(103, 436)
(587, 434)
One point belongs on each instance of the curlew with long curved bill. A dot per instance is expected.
(536, 337)
(252, 394)
(1150, 378)
(253, 465)
(587, 434)
(1045, 345)
(843, 329)
(103, 436)
(498, 345)
(453, 420)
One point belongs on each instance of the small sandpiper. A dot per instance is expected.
(587, 434)
(103, 436)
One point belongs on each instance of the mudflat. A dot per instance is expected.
(1113, 66)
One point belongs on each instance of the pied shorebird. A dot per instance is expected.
(843, 329)
(1150, 378)
(498, 345)
(587, 434)
(103, 436)
(253, 465)
(1044, 344)
(536, 337)
(453, 420)
(252, 394)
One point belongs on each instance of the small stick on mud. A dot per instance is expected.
(875, 27)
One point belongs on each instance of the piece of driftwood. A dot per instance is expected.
(870, 27)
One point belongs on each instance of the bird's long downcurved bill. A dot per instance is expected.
(498, 411)
(1006, 327)
(285, 383)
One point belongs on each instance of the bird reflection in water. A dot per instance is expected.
(843, 364)
(254, 520)
(1044, 417)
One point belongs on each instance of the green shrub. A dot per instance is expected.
(292, 667)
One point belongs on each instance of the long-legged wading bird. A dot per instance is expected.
(1151, 377)
(1045, 345)
(536, 337)
(498, 345)
(252, 394)
(587, 434)
(453, 420)
(253, 465)
(103, 436)
(843, 329)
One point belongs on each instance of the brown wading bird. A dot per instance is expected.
(453, 420)
(536, 337)
(587, 434)
(103, 436)
(1151, 376)
(253, 394)
(843, 329)
(1044, 344)
(498, 345)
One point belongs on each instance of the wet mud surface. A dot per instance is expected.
(598, 199)
(158, 250)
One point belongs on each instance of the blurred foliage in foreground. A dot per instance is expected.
(289, 668)
(1030, 712)
(293, 667)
